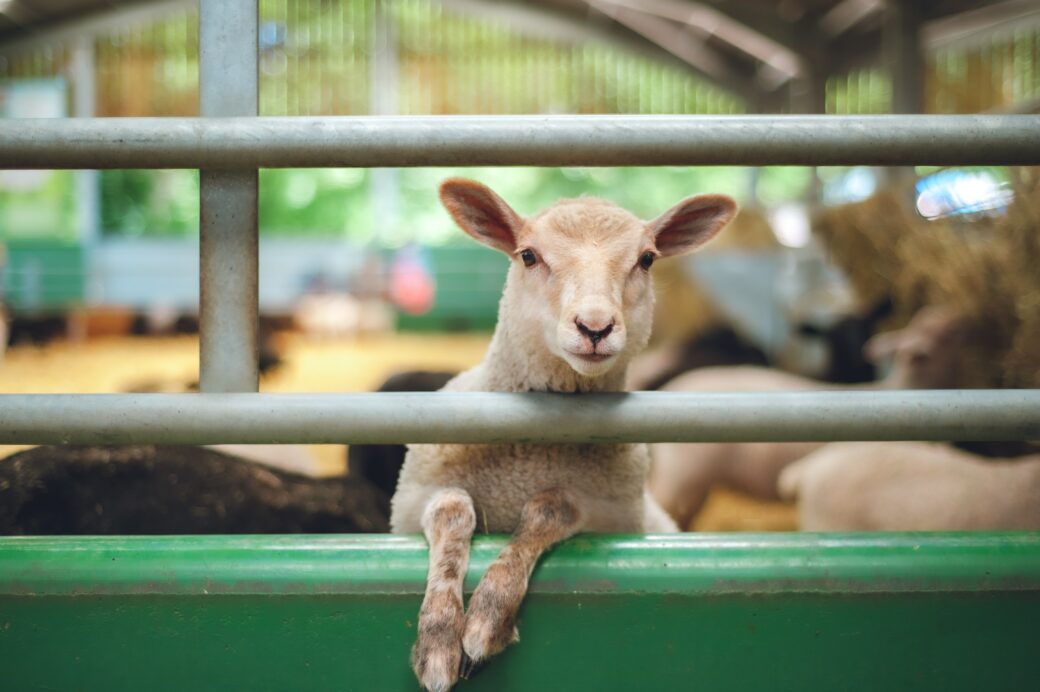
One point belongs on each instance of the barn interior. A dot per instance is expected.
(364, 277)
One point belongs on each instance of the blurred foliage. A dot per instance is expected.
(324, 202)
(316, 58)
(153, 203)
(37, 203)
(340, 203)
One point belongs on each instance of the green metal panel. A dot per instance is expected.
(43, 275)
(734, 612)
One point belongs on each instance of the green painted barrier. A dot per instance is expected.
(691, 611)
(43, 275)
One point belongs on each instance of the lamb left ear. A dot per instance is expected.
(691, 223)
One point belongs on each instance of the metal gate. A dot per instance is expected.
(928, 611)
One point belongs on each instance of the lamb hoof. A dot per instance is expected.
(467, 666)
(486, 637)
(437, 671)
(437, 653)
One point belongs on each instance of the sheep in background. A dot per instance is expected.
(577, 305)
(924, 355)
(153, 489)
(719, 345)
(912, 486)
(329, 314)
(845, 339)
(292, 458)
(381, 464)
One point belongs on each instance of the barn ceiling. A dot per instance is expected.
(751, 47)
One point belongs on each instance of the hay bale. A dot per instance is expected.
(862, 239)
(985, 269)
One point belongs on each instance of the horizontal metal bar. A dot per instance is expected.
(675, 563)
(535, 417)
(629, 140)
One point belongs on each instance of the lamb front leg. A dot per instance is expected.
(448, 522)
(547, 518)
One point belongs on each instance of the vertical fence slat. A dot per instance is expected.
(228, 262)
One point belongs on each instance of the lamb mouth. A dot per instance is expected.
(594, 357)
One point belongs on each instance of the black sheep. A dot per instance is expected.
(141, 490)
(380, 464)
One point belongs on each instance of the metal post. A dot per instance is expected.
(901, 39)
(228, 263)
(384, 190)
(88, 198)
(901, 48)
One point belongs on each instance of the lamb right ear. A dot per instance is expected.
(691, 223)
(481, 213)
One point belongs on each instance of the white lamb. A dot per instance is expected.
(924, 356)
(577, 305)
(912, 486)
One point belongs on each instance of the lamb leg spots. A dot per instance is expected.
(547, 518)
(491, 620)
(448, 523)
(437, 652)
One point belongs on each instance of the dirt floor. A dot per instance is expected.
(120, 364)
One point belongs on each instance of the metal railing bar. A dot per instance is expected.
(284, 142)
(506, 417)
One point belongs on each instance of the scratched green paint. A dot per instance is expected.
(738, 612)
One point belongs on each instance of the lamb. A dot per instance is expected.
(924, 356)
(577, 305)
(912, 486)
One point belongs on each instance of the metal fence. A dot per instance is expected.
(230, 143)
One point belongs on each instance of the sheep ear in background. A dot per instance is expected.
(881, 346)
(481, 213)
(691, 223)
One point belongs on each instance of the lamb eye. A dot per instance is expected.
(528, 257)
(646, 259)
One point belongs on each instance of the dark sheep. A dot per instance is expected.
(381, 464)
(845, 340)
(142, 490)
(37, 330)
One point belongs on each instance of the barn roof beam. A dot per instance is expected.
(778, 63)
(847, 14)
(594, 24)
(859, 49)
(88, 25)
(680, 42)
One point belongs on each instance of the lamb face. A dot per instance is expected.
(582, 277)
(928, 353)
(580, 274)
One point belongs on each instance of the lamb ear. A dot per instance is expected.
(481, 213)
(691, 223)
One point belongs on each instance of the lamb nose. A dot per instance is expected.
(595, 336)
